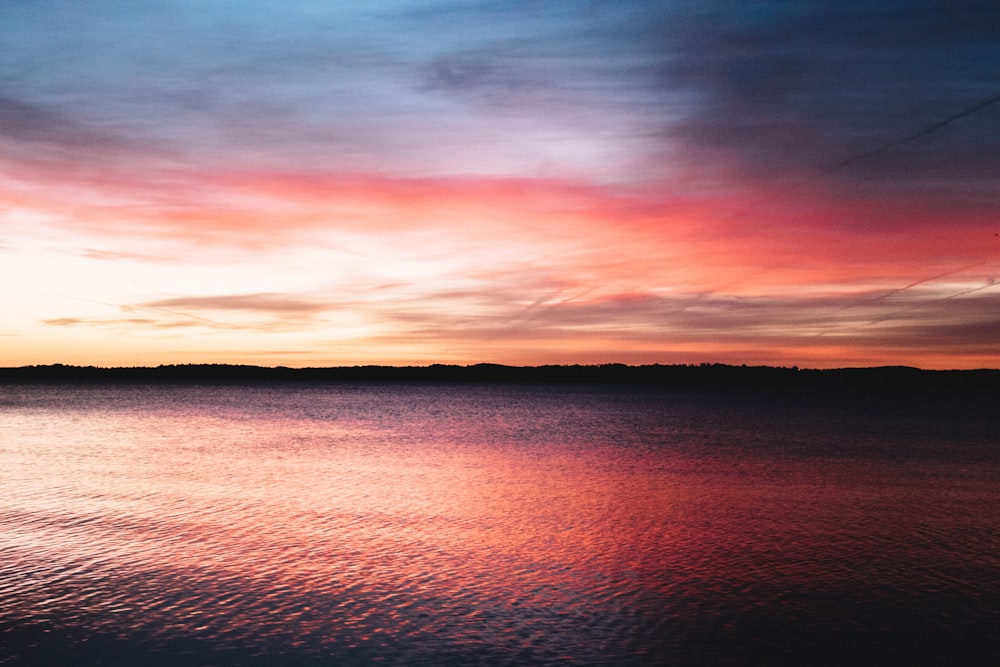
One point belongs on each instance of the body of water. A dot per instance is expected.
(476, 524)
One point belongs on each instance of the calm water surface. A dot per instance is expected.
(496, 525)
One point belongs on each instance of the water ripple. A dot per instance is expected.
(357, 526)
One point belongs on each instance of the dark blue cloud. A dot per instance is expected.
(829, 88)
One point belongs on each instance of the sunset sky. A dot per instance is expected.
(314, 183)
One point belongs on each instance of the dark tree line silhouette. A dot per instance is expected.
(898, 377)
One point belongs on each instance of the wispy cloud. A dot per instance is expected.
(116, 255)
(259, 303)
(63, 322)
(76, 321)
(45, 129)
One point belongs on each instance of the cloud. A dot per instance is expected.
(235, 312)
(818, 87)
(338, 87)
(496, 80)
(259, 303)
(638, 321)
(25, 122)
(38, 137)
(116, 255)
(262, 312)
(615, 93)
(63, 322)
(75, 321)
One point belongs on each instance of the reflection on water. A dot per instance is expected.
(494, 525)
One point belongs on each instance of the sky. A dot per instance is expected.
(812, 183)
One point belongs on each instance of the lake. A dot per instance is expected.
(429, 524)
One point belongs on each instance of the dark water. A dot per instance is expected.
(496, 525)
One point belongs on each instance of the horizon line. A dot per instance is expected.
(486, 364)
(900, 378)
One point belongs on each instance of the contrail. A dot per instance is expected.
(911, 137)
(794, 185)
(884, 148)
(897, 290)
(918, 306)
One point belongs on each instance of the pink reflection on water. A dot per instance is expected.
(196, 523)
(242, 527)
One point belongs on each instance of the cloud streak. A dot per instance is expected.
(258, 303)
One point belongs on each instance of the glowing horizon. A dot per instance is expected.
(407, 185)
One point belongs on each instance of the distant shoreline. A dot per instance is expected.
(897, 377)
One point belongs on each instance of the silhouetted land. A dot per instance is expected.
(895, 377)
